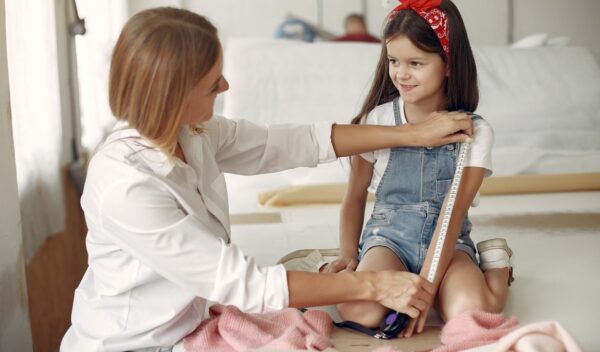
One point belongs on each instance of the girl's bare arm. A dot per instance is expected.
(352, 214)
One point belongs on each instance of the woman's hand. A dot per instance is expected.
(443, 127)
(404, 292)
(341, 263)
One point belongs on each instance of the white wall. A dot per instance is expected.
(487, 21)
(578, 19)
(15, 332)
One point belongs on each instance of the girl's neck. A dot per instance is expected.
(419, 112)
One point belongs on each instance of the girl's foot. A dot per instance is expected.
(495, 254)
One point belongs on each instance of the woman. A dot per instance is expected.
(155, 199)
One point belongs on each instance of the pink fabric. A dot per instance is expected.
(547, 336)
(472, 329)
(228, 329)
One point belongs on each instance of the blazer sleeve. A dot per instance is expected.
(242, 147)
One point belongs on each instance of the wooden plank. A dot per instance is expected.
(522, 184)
(255, 218)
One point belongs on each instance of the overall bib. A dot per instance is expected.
(409, 200)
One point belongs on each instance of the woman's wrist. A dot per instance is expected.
(404, 135)
(411, 138)
(368, 287)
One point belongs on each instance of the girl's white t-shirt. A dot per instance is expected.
(479, 155)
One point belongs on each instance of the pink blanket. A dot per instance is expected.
(228, 329)
(472, 329)
(547, 336)
(494, 332)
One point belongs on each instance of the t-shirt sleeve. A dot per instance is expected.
(480, 153)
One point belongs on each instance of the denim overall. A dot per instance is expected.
(409, 200)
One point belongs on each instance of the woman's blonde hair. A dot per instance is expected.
(160, 56)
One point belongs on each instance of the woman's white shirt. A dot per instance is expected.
(158, 232)
(479, 155)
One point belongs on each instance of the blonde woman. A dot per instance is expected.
(155, 200)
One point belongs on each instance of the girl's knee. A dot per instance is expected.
(368, 314)
(471, 302)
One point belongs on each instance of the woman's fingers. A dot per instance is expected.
(422, 320)
(420, 304)
(458, 138)
(427, 286)
(408, 331)
(412, 312)
(462, 121)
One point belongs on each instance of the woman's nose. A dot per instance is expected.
(224, 85)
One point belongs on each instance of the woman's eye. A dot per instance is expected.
(416, 64)
(392, 61)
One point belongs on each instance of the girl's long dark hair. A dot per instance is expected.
(461, 88)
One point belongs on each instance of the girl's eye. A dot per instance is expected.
(392, 61)
(416, 64)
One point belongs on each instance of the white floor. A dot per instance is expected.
(556, 270)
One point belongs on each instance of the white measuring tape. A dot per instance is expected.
(452, 192)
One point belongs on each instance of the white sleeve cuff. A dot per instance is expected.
(276, 285)
(251, 288)
(322, 132)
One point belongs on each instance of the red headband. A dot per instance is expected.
(432, 14)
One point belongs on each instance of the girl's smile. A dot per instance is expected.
(405, 88)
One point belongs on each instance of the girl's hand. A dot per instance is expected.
(404, 292)
(341, 263)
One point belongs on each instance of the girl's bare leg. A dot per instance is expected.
(366, 313)
(465, 288)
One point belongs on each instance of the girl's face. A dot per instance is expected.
(418, 75)
(201, 100)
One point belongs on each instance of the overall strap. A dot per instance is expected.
(397, 115)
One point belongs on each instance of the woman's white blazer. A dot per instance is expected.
(158, 232)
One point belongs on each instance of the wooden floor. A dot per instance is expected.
(53, 274)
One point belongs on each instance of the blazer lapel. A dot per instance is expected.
(211, 182)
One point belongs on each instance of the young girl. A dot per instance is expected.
(155, 198)
(426, 65)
